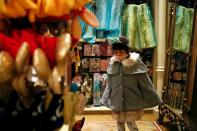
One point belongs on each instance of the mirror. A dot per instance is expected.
(178, 52)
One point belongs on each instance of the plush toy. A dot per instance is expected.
(74, 87)
(17, 65)
(24, 51)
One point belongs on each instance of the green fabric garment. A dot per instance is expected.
(183, 29)
(137, 26)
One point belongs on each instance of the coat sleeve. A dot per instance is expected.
(105, 98)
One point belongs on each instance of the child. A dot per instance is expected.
(130, 89)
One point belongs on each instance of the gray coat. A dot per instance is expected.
(129, 86)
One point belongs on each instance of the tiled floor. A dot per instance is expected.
(104, 114)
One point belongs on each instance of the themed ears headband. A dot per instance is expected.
(120, 39)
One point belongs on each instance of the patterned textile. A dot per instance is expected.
(88, 32)
(137, 26)
(183, 28)
(102, 14)
(108, 13)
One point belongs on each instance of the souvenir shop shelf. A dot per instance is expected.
(94, 62)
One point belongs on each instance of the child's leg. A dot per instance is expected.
(121, 126)
(132, 126)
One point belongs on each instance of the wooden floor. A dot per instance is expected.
(105, 115)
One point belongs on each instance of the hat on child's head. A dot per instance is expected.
(119, 43)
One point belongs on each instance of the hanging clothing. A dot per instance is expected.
(115, 14)
(88, 32)
(102, 14)
(137, 26)
(109, 14)
(183, 28)
(130, 25)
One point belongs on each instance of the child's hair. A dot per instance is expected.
(122, 44)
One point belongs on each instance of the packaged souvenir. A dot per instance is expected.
(96, 89)
(87, 49)
(104, 63)
(109, 50)
(104, 79)
(94, 65)
(95, 50)
(103, 49)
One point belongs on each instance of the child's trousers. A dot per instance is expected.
(131, 125)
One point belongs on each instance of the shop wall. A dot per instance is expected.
(160, 20)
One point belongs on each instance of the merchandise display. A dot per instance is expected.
(94, 63)
(36, 37)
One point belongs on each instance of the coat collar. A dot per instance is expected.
(133, 57)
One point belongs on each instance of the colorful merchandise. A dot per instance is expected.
(87, 89)
(88, 32)
(104, 81)
(103, 49)
(31, 50)
(109, 50)
(183, 29)
(85, 64)
(104, 64)
(94, 65)
(95, 50)
(96, 89)
(109, 17)
(137, 25)
(87, 49)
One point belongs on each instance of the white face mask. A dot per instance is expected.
(120, 54)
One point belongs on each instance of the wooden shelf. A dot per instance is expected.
(96, 40)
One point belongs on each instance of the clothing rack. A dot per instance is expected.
(187, 3)
(136, 1)
(174, 1)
